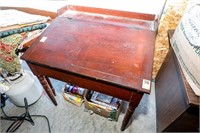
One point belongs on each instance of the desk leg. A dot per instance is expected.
(49, 82)
(46, 87)
(133, 103)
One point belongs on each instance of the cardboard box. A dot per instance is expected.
(73, 98)
(185, 43)
(101, 110)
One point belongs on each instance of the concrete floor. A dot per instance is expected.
(69, 118)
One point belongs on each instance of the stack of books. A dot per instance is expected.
(106, 101)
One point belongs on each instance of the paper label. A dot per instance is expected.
(146, 84)
(43, 39)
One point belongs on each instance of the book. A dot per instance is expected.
(104, 98)
(107, 101)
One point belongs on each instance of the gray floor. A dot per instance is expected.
(69, 118)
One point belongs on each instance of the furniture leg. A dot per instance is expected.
(49, 82)
(46, 87)
(133, 103)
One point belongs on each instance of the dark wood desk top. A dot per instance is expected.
(192, 98)
(114, 53)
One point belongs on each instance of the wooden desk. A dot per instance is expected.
(112, 55)
(176, 104)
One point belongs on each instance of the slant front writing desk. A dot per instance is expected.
(107, 51)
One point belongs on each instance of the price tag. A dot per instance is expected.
(43, 39)
(146, 84)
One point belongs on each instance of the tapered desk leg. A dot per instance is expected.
(49, 82)
(133, 103)
(47, 88)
